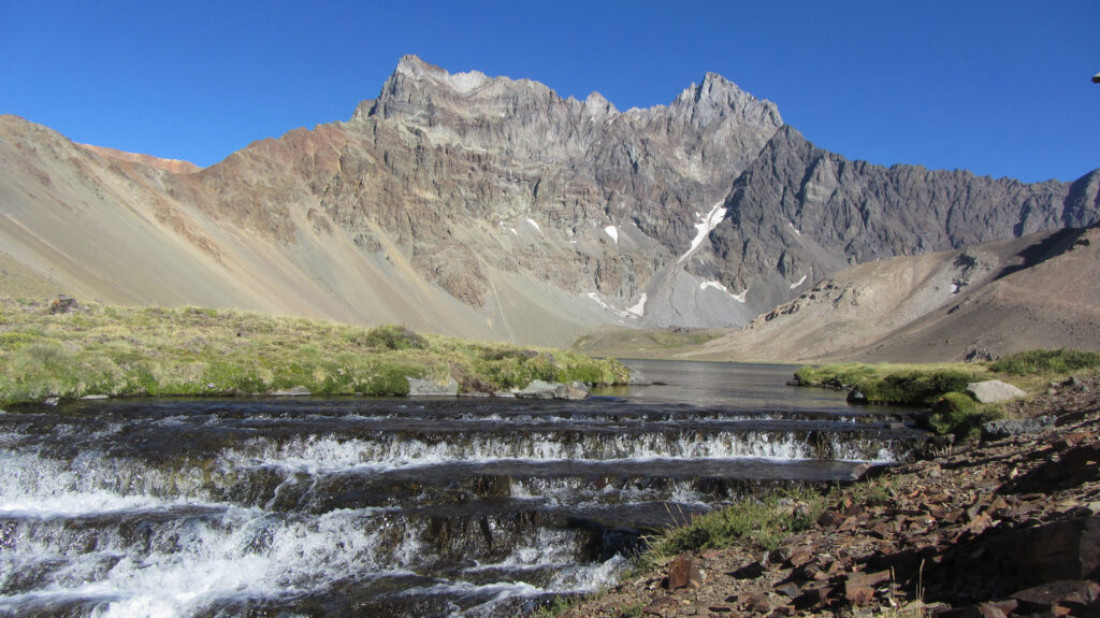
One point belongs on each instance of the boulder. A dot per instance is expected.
(62, 304)
(540, 389)
(992, 391)
(683, 572)
(1060, 550)
(1006, 427)
(432, 388)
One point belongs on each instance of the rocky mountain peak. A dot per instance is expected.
(413, 68)
(716, 98)
(597, 105)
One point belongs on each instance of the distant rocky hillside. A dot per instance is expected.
(981, 302)
(493, 208)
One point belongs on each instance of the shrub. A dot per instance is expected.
(916, 388)
(958, 414)
(394, 338)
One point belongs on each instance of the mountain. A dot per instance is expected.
(493, 208)
(987, 300)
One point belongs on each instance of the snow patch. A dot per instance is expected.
(466, 82)
(718, 286)
(629, 313)
(535, 225)
(638, 309)
(513, 230)
(794, 229)
(705, 225)
(613, 232)
(799, 282)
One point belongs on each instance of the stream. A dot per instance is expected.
(395, 507)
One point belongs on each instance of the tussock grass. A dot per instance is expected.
(896, 384)
(765, 520)
(1047, 362)
(942, 386)
(190, 351)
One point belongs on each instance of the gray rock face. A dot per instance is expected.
(800, 213)
(465, 174)
(992, 391)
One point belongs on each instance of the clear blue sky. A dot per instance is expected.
(999, 87)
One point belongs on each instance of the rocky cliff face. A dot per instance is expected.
(799, 213)
(492, 207)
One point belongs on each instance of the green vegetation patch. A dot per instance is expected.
(138, 351)
(764, 520)
(1047, 362)
(911, 385)
(941, 387)
(959, 415)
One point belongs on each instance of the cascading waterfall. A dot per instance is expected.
(393, 507)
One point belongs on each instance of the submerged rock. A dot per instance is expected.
(540, 389)
(297, 391)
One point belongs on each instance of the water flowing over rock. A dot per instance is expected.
(426, 507)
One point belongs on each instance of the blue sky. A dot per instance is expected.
(1000, 88)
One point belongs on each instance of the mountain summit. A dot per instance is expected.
(491, 207)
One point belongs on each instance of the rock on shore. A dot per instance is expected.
(1007, 527)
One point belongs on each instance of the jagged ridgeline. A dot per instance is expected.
(493, 208)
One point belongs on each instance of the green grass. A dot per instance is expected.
(764, 520)
(1047, 362)
(152, 351)
(896, 384)
(941, 387)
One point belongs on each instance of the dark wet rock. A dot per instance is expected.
(1006, 427)
(856, 396)
(540, 389)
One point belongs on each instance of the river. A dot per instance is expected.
(393, 507)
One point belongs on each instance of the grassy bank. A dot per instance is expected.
(135, 351)
(942, 387)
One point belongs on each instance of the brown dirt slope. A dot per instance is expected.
(1008, 527)
(995, 298)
